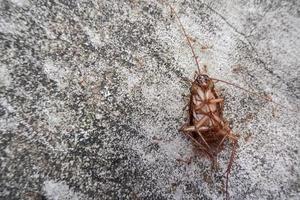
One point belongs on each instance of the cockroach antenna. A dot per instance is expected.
(187, 38)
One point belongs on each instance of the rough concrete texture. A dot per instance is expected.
(92, 97)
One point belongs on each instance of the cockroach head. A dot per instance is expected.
(203, 79)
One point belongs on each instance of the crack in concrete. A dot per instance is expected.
(225, 20)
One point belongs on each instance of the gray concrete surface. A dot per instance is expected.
(91, 98)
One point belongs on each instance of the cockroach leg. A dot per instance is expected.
(214, 101)
(223, 139)
(189, 129)
(202, 121)
(234, 145)
(217, 119)
(230, 166)
(203, 128)
(196, 142)
(202, 138)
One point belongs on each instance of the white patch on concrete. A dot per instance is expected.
(131, 79)
(54, 118)
(150, 93)
(60, 191)
(5, 78)
(21, 3)
(55, 72)
(105, 92)
(178, 195)
(94, 36)
(7, 27)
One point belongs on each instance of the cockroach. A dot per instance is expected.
(206, 126)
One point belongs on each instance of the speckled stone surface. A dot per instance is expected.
(91, 98)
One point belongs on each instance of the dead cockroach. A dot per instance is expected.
(206, 126)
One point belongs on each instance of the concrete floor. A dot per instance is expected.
(91, 98)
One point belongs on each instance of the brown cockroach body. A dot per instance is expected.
(206, 126)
